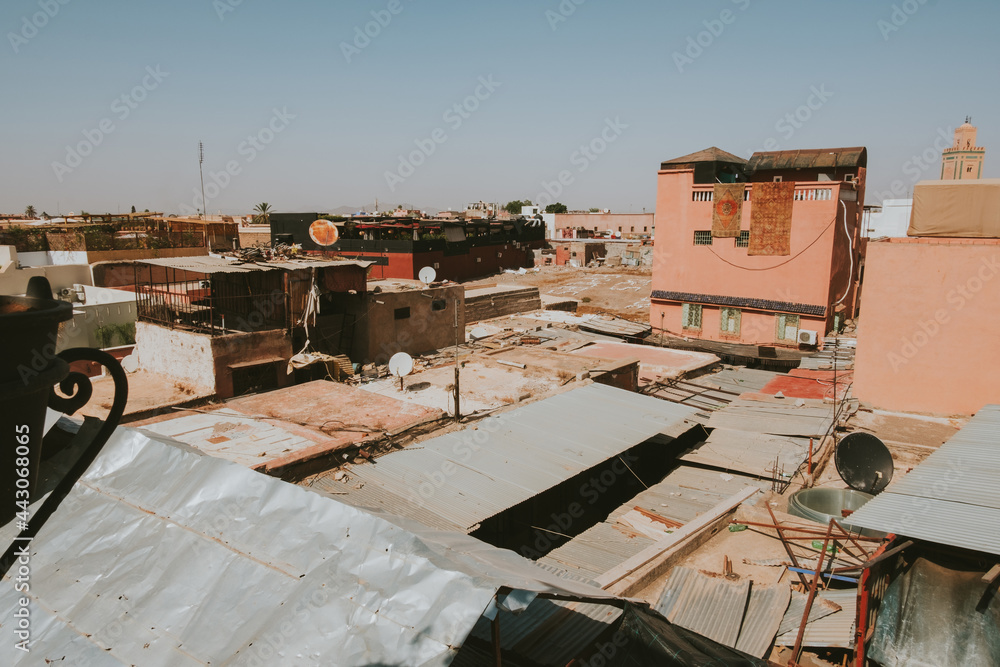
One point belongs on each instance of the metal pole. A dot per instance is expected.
(204, 203)
(458, 409)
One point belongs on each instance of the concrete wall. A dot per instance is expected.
(203, 362)
(929, 325)
(142, 253)
(892, 221)
(815, 273)
(15, 281)
(183, 355)
(52, 258)
(629, 224)
(103, 307)
(379, 335)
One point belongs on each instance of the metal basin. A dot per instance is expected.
(821, 505)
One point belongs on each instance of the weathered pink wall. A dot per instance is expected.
(929, 325)
(815, 273)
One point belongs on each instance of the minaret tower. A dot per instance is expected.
(964, 160)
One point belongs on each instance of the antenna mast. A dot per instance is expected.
(201, 171)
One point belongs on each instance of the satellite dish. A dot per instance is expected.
(324, 233)
(478, 333)
(401, 364)
(427, 275)
(130, 363)
(864, 462)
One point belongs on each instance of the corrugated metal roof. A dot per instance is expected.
(953, 497)
(681, 496)
(617, 327)
(550, 632)
(470, 475)
(776, 416)
(207, 264)
(163, 555)
(797, 606)
(835, 630)
(737, 379)
(764, 613)
(751, 453)
(710, 605)
(811, 158)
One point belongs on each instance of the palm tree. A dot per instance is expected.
(263, 213)
(30, 212)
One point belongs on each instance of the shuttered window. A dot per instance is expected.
(730, 324)
(692, 316)
(787, 327)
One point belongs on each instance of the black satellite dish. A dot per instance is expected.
(864, 462)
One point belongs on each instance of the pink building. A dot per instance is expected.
(929, 324)
(780, 288)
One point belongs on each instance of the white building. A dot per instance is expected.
(891, 221)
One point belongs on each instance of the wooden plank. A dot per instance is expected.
(992, 575)
(689, 530)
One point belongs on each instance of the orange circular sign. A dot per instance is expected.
(324, 233)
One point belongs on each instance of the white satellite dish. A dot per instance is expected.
(479, 333)
(130, 363)
(427, 275)
(401, 364)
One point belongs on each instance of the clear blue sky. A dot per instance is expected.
(225, 73)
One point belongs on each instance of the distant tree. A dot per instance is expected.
(595, 210)
(514, 207)
(29, 212)
(133, 209)
(556, 208)
(45, 216)
(262, 213)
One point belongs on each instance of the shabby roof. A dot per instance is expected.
(810, 158)
(508, 458)
(712, 154)
(953, 497)
(209, 264)
(162, 555)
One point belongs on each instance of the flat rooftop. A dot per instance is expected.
(278, 430)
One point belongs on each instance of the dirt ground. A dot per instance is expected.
(622, 291)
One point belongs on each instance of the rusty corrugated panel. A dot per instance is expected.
(763, 616)
(814, 158)
(834, 630)
(710, 605)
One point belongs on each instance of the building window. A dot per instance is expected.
(645, 229)
(730, 321)
(743, 241)
(402, 313)
(439, 304)
(777, 179)
(703, 238)
(786, 328)
(692, 316)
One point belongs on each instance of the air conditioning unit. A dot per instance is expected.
(807, 337)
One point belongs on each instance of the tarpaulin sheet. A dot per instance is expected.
(964, 209)
(161, 555)
(933, 616)
(644, 638)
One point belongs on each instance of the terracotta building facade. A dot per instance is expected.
(782, 279)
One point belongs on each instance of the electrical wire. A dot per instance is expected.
(790, 259)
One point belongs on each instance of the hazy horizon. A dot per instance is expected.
(440, 105)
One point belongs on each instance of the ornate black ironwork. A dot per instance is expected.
(77, 390)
